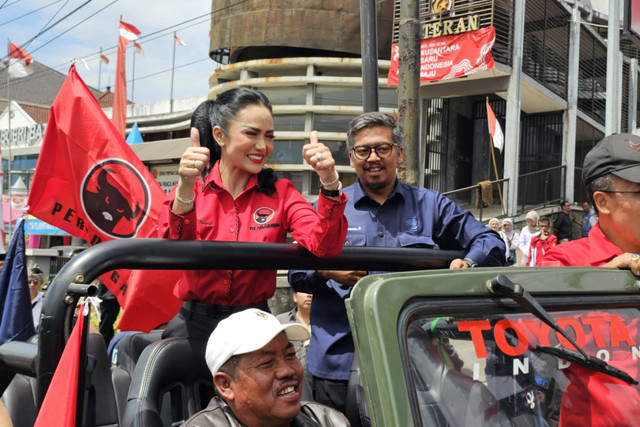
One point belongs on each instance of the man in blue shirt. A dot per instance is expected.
(589, 219)
(382, 211)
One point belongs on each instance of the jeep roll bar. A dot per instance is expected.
(161, 254)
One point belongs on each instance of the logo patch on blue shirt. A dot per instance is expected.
(413, 225)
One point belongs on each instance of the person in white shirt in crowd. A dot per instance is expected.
(527, 232)
(510, 238)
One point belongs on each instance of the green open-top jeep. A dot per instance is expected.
(486, 346)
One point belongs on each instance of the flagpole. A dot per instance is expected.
(9, 134)
(99, 69)
(173, 67)
(495, 167)
(133, 74)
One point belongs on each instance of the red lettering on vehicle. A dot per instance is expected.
(475, 328)
(619, 332)
(500, 335)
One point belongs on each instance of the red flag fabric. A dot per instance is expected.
(19, 53)
(103, 58)
(119, 111)
(494, 128)
(178, 40)
(138, 49)
(90, 183)
(128, 31)
(59, 405)
(19, 61)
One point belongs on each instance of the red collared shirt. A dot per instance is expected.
(592, 398)
(252, 217)
(593, 251)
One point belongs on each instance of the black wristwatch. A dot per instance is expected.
(471, 263)
(332, 193)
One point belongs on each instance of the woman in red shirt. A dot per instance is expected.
(224, 193)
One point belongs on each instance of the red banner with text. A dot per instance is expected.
(448, 57)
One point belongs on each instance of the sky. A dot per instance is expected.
(95, 25)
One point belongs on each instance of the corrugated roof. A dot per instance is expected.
(41, 87)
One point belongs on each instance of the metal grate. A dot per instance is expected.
(624, 98)
(435, 141)
(540, 149)
(546, 41)
(592, 83)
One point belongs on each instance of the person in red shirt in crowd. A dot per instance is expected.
(611, 174)
(541, 243)
(225, 193)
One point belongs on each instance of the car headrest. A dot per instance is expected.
(172, 365)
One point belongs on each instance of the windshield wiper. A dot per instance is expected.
(503, 286)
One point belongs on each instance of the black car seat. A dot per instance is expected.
(355, 404)
(129, 350)
(100, 404)
(100, 401)
(171, 382)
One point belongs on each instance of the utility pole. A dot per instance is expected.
(409, 91)
(369, 53)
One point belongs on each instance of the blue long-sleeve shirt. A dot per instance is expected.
(410, 217)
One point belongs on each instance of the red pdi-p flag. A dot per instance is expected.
(59, 405)
(90, 183)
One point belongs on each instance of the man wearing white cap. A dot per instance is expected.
(258, 377)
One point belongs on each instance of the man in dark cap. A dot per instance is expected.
(611, 174)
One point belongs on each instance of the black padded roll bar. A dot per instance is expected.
(160, 254)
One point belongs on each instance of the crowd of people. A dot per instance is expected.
(225, 193)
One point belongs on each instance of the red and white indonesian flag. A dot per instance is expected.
(494, 128)
(103, 58)
(19, 61)
(119, 113)
(128, 31)
(448, 57)
(89, 183)
(178, 40)
(138, 49)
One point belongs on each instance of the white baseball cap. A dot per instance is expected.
(247, 331)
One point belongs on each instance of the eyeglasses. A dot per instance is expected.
(543, 225)
(382, 150)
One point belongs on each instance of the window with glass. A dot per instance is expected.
(288, 123)
(514, 369)
(338, 95)
(331, 122)
(294, 177)
(388, 97)
(286, 152)
(288, 95)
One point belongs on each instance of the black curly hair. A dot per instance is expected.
(220, 112)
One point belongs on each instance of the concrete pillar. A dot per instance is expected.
(512, 127)
(612, 115)
(570, 115)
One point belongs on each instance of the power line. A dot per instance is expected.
(84, 20)
(44, 28)
(29, 13)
